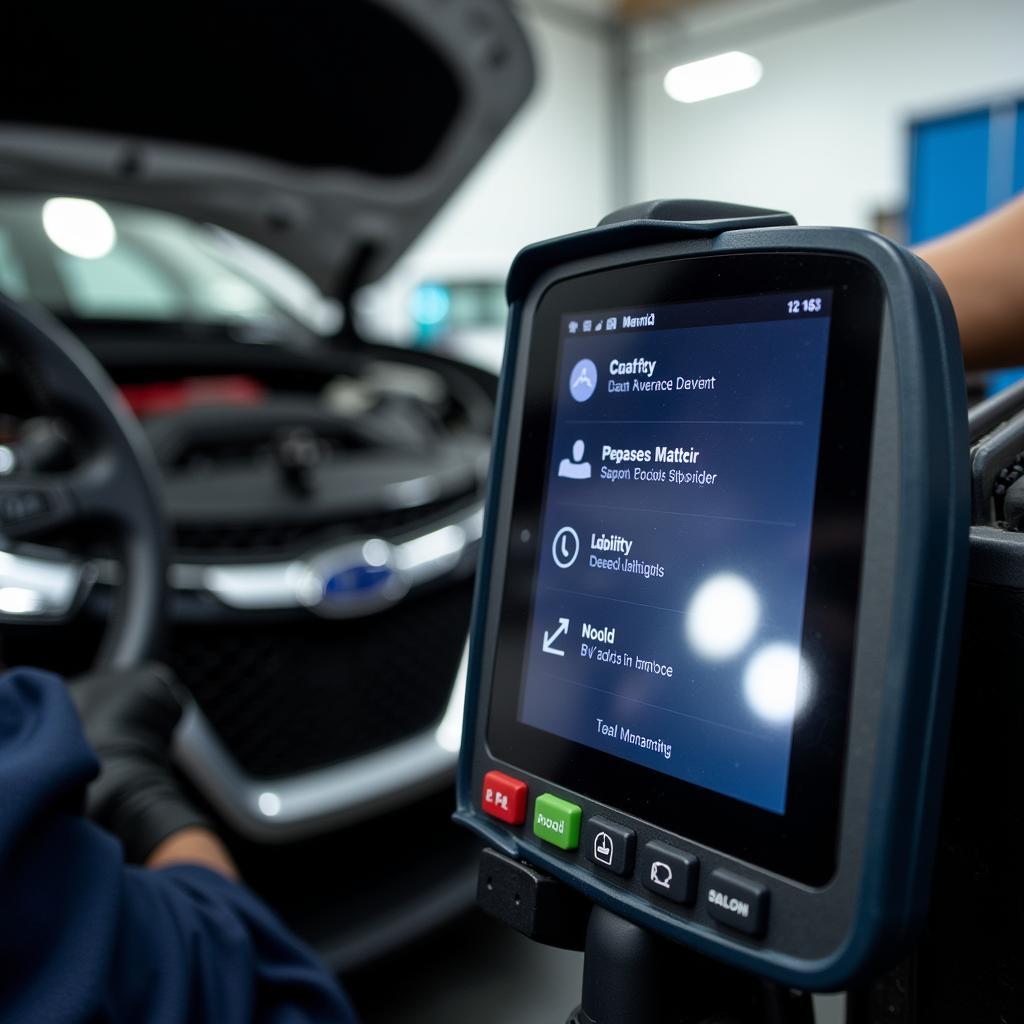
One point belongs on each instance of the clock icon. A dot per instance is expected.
(565, 548)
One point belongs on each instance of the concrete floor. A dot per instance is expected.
(477, 972)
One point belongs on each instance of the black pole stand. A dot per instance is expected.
(630, 975)
(623, 972)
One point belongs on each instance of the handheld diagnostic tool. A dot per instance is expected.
(718, 613)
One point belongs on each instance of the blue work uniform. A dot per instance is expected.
(84, 937)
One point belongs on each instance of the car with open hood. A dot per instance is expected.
(197, 193)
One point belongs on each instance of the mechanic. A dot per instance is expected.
(85, 935)
(982, 267)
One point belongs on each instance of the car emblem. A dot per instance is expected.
(352, 580)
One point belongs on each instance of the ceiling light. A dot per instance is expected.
(713, 76)
(79, 227)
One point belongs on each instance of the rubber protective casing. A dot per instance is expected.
(910, 611)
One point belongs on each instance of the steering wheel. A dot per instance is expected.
(115, 485)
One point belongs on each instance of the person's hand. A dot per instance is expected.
(129, 718)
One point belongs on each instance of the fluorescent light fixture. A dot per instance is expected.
(713, 76)
(79, 227)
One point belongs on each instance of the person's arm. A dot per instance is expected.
(86, 937)
(129, 719)
(982, 267)
(194, 845)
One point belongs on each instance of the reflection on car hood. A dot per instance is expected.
(331, 133)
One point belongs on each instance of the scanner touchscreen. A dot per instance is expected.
(670, 588)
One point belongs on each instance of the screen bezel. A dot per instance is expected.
(800, 844)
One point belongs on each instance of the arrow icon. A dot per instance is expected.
(550, 638)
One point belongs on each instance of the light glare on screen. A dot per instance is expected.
(777, 682)
(722, 616)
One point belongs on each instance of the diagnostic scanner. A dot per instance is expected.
(721, 584)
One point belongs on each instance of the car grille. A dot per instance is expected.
(290, 696)
(284, 537)
(252, 538)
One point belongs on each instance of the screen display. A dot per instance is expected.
(684, 500)
(669, 599)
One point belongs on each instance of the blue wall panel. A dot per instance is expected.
(1018, 163)
(949, 173)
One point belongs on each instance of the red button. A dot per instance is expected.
(504, 798)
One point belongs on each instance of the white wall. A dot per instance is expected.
(550, 173)
(824, 134)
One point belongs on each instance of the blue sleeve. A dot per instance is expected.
(83, 937)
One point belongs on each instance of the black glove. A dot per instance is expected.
(129, 717)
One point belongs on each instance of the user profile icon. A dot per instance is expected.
(583, 380)
(575, 468)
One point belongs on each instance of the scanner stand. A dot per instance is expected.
(630, 975)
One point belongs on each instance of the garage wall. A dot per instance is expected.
(548, 174)
(824, 133)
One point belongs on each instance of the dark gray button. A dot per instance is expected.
(609, 846)
(736, 902)
(669, 873)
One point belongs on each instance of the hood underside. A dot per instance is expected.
(330, 132)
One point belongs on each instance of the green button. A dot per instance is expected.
(557, 821)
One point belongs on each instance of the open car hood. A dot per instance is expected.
(330, 131)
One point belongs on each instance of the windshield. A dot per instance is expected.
(85, 260)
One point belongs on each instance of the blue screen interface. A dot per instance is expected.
(675, 538)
